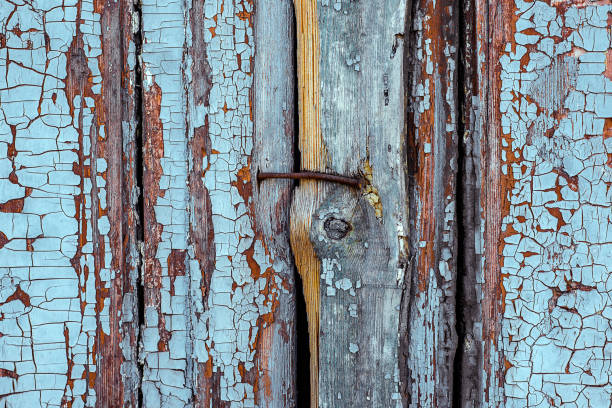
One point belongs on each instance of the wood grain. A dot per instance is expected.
(142, 262)
(309, 193)
(544, 172)
(360, 235)
(433, 155)
(274, 100)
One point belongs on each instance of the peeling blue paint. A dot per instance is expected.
(44, 332)
(556, 328)
(222, 329)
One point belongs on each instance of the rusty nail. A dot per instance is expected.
(349, 181)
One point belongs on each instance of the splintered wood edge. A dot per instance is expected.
(312, 149)
(309, 194)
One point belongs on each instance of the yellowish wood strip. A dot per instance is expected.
(309, 194)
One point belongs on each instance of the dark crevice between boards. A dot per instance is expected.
(411, 170)
(139, 163)
(464, 213)
(302, 350)
(302, 378)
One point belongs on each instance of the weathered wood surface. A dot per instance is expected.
(468, 363)
(431, 340)
(360, 236)
(218, 278)
(67, 242)
(540, 91)
(142, 264)
(274, 110)
(308, 194)
(218, 324)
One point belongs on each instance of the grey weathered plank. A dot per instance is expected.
(361, 236)
(218, 276)
(274, 136)
(67, 326)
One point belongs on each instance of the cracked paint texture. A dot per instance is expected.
(433, 147)
(57, 269)
(203, 317)
(556, 119)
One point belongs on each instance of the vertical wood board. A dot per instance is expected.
(433, 163)
(216, 261)
(545, 97)
(360, 235)
(67, 312)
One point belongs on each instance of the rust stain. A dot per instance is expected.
(176, 266)
(15, 205)
(154, 148)
(12, 152)
(8, 374)
(164, 334)
(201, 232)
(66, 402)
(154, 145)
(77, 73)
(206, 395)
(264, 360)
(571, 286)
(494, 186)
(76, 83)
(91, 377)
(243, 182)
(244, 15)
(424, 164)
(19, 295)
(608, 71)
(607, 133)
(3, 239)
(18, 32)
(572, 182)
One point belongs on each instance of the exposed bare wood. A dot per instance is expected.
(433, 157)
(450, 219)
(468, 371)
(361, 235)
(274, 103)
(68, 315)
(309, 194)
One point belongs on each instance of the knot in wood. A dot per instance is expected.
(336, 228)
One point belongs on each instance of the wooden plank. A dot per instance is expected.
(274, 136)
(544, 95)
(218, 278)
(68, 327)
(309, 194)
(433, 156)
(360, 236)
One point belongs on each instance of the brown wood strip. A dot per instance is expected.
(68, 259)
